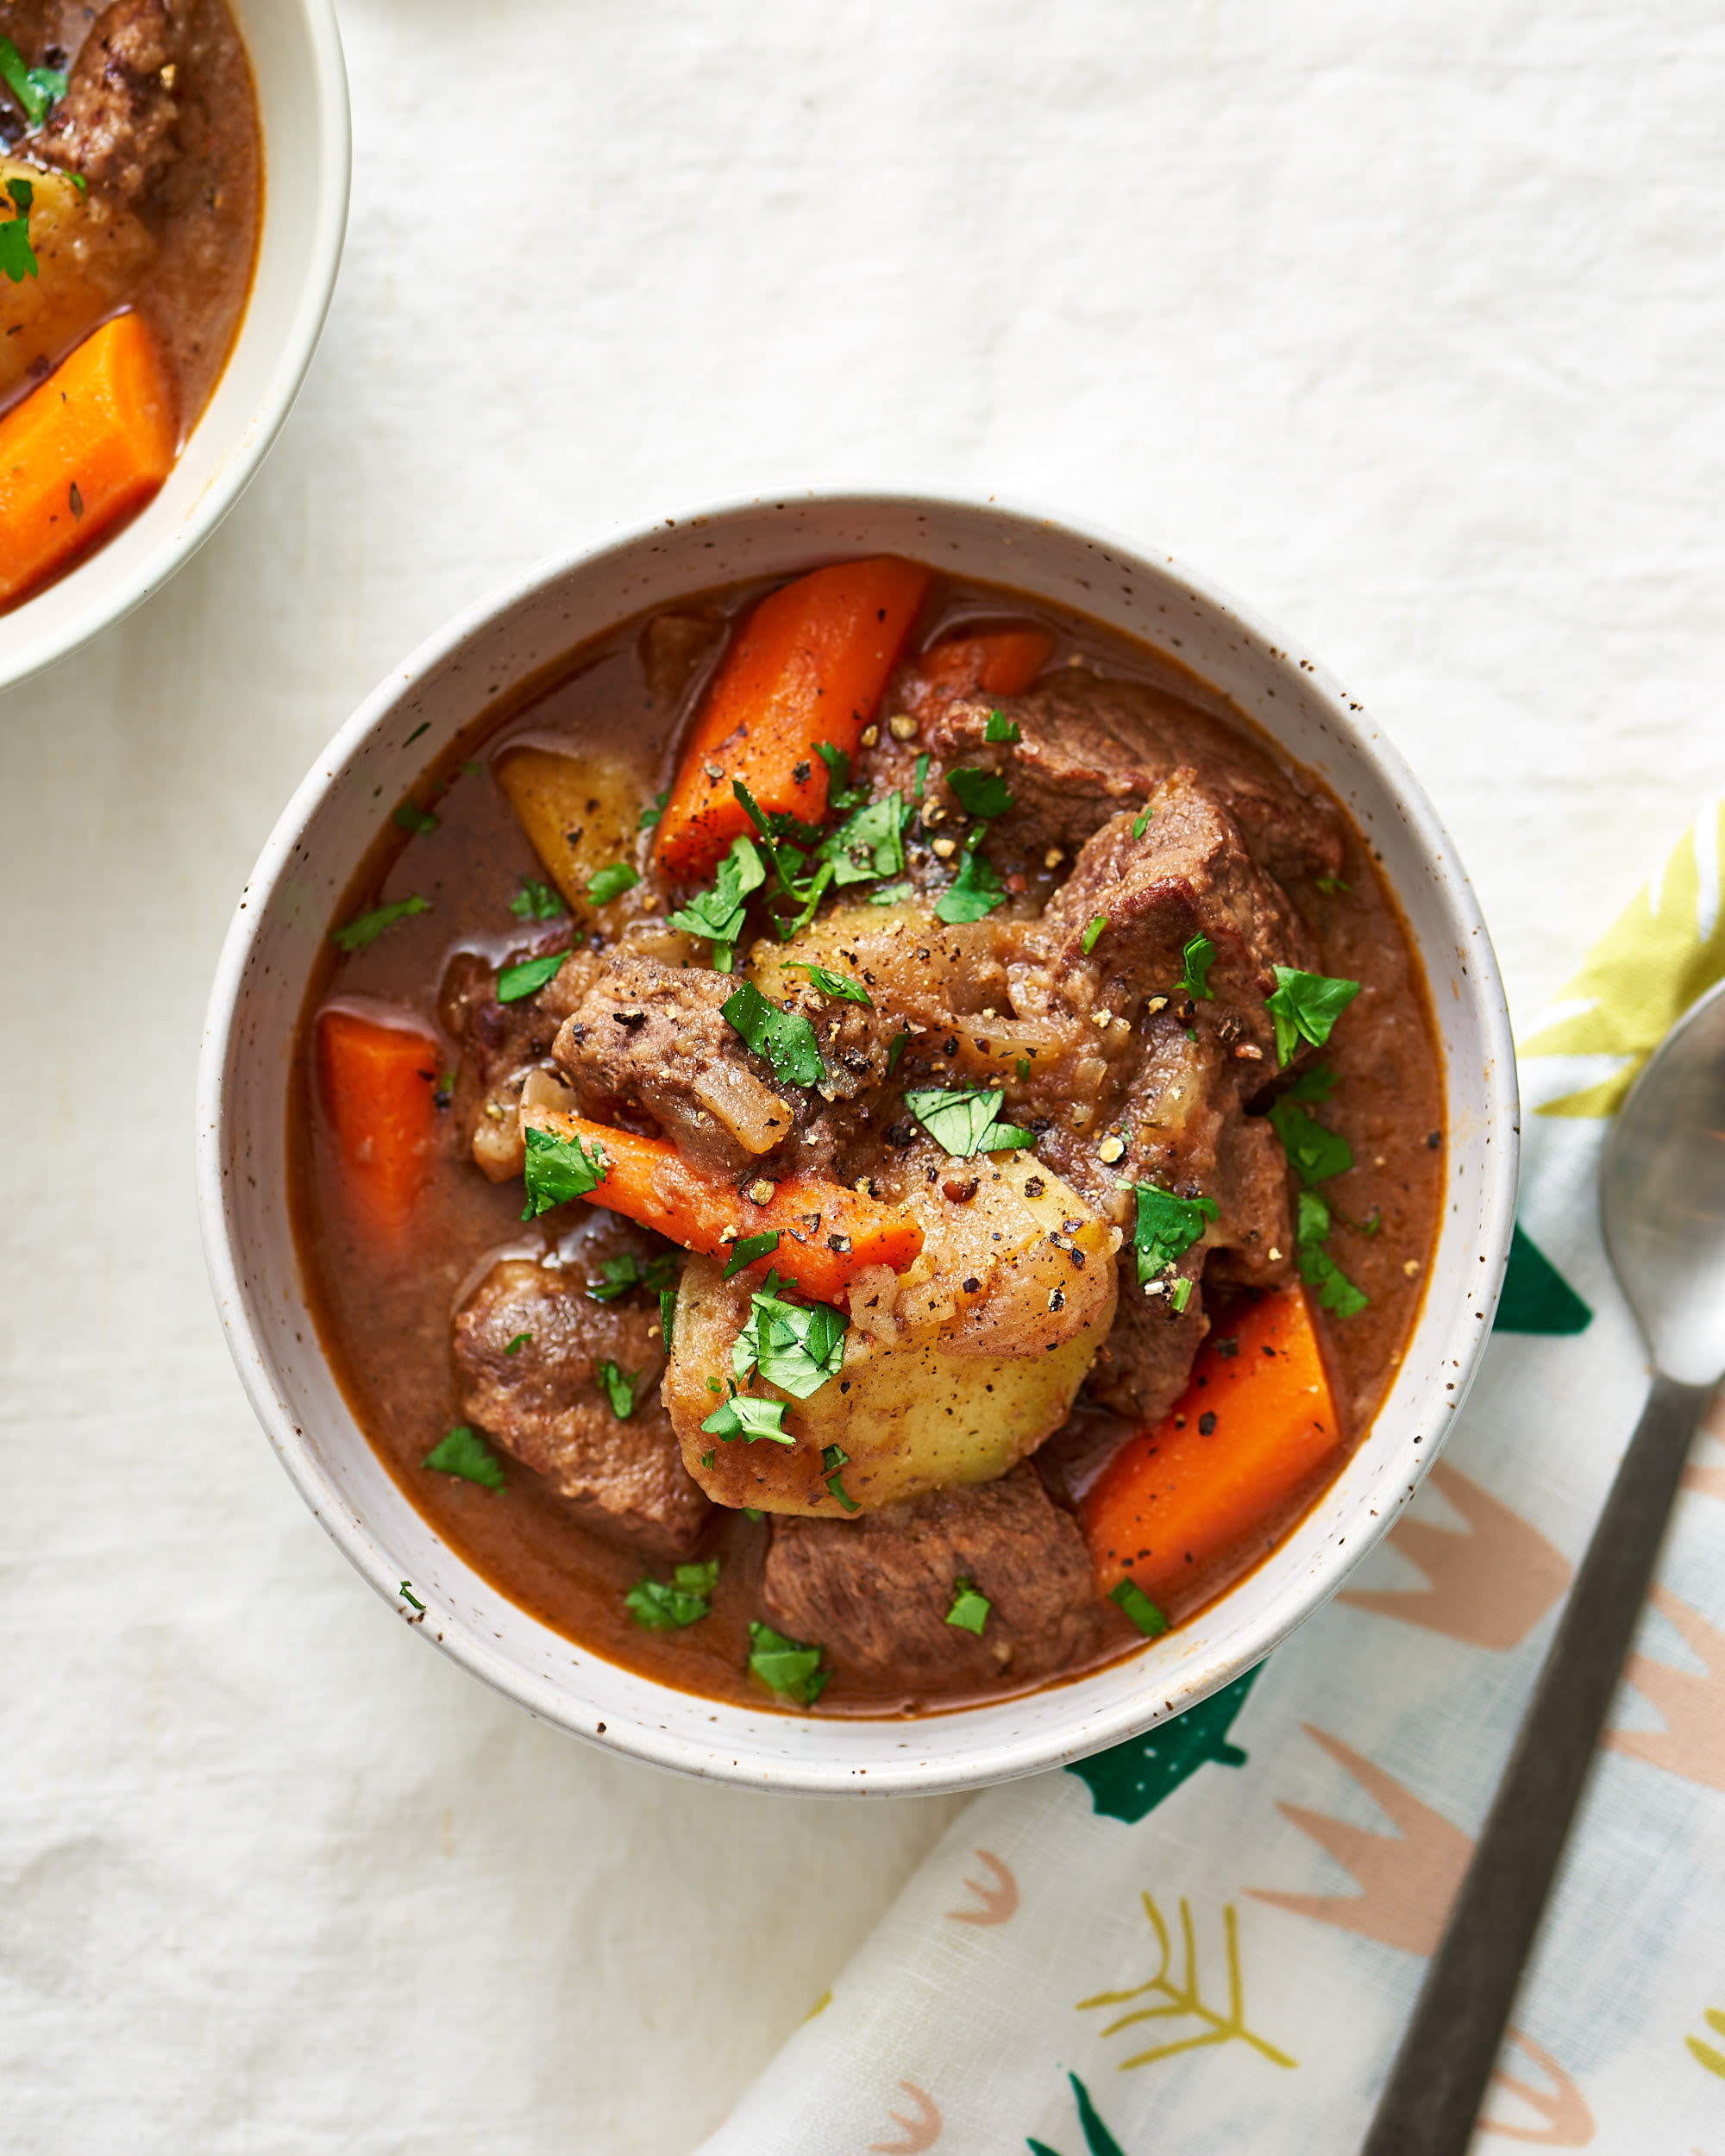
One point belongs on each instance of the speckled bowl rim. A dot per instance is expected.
(995, 1740)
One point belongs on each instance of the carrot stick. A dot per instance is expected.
(1178, 1496)
(646, 1179)
(377, 1084)
(807, 666)
(992, 663)
(92, 444)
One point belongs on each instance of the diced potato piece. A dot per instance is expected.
(581, 813)
(978, 1361)
(89, 252)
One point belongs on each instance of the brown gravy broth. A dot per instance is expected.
(384, 1321)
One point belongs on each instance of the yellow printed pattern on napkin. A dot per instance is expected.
(1663, 950)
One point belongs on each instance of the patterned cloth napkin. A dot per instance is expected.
(1207, 1939)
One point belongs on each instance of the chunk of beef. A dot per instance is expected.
(1144, 1366)
(651, 1039)
(875, 1591)
(1187, 874)
(1090, 747)
(500, 1043)
(118, 123)
(544, 1402)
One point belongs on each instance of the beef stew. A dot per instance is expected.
(867, 1142)
(131, 178)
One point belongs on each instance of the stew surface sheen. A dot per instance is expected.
(1129, 1055)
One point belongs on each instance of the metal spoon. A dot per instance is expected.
(1663, 1206)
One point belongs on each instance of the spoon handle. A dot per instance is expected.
(1431, 2103)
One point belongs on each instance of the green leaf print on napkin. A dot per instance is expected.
(1097, 2139)
(1536, 1296)
(1133, 1778)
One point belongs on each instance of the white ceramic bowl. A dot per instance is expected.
(241, 1114)
(302, 85)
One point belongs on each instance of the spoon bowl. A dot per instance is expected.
(1662, 1197)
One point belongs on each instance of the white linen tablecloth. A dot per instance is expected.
(1404, 322)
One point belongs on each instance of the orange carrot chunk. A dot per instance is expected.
(808, 665)
(88, 447)
(992, 663)
(826, 1234)
(1256, 1421)
(378, 1084)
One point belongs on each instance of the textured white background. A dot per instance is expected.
(1405, 321)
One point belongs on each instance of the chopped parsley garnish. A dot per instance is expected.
(984, 794)
(1195, 969)
(785, 1666)
(37, 89)
(1087, 940)
(668, 1310)
(363, 930)
(919, 785)
(409, 817)
(834, 1460)
(789, 863)
(796, 1346)
(407, 1594)
(1141, 822)
(1305, 1007)
(465, 1452)
(1180, 1295)
(895, 1052)
(1330, 885)
(784, 1037)
(892, 894)
(17, 256)
(1167, 1227)
(668, 1606)
(557, 1169)
(1314, 1152)
(975, 890)
(1001, 728)
(717, 912)
(1316, 1084)
(619, 1276)
(841, 796)
(654, 810)
(537, 902)
(839, 986)
(611, 883)
(520, 1341)
(516, 982)
(618, 1388)
(1318, 1269)
(970, 1608)
(868, 843)
(1132, 1598)
(744, 1416)
(748, 1249)
(967, 1122)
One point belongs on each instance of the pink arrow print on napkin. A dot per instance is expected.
(1692, 1742)
(1568, 2122)
(1000, 1902)
(1407, 1881)
(1709, 1481)
(1490, 1584)
(919, 2133)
